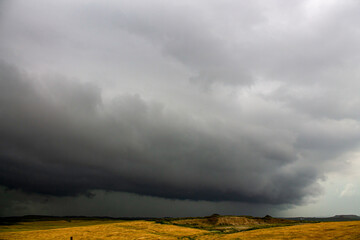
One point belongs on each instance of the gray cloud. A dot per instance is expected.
(110, 97)
(65, 142)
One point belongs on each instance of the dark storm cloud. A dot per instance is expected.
(68, 143)
(119, 204)
(279, 112)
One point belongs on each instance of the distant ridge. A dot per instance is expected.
(347, 216)
(336, 218)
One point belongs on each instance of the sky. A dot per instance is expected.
(160, 108)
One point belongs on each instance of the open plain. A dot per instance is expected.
(141, 229)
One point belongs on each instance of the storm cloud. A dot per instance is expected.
(247, 102)
(64, 141)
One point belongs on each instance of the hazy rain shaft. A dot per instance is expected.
(183, 103)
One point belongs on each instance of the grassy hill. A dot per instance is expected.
(212, 227)
(229, 224)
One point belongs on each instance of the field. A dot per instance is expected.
(140, 229)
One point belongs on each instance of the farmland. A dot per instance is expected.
(141, 229)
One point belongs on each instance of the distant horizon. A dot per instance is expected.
(149, 217)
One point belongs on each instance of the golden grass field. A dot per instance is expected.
(81, 230)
